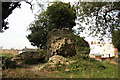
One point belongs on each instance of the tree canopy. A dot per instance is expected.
(61, 15)
(7, 9)
(58, 15)
(101, 17)
(39, 30)
(116, 39)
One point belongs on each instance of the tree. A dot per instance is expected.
(7, 9)
(61, 15)
(39, 30)
(116, 39)
(101, 17)
(51, 19)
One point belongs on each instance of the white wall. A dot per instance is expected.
(105, 50)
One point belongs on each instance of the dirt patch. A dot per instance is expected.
(28, 71)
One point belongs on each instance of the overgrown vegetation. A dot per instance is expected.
(81, 45)
(33, 57)
(116, 39)
(6, 61)
(85, 67)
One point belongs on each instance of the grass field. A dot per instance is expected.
(6, 55)
(82, 68)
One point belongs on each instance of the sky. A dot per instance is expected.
(15, 36)
(19, 20)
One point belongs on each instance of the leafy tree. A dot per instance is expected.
(39, 30)
(101, 17)
(61, 15)
(7, 9)
(116, 39)
(55, 17)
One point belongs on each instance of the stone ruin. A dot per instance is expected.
(59, 42)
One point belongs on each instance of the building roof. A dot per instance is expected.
(28, 49)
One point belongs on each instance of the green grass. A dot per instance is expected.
(82, 68)
(110, 71)
(87, 68)
(6, 55)
(6, 62)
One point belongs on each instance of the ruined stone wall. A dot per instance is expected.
(59, 42)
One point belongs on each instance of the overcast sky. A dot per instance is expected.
(15, 36)
(19, 20)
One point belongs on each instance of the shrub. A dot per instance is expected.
(81, 45)
(7, 63)
(44, 54)
(33, 57)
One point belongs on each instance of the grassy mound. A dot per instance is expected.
(85, 67)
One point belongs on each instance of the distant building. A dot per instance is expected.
(107, 50)
(102, 51)
(27, 50)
